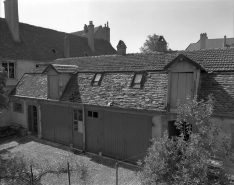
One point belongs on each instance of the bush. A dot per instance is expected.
(187, 159)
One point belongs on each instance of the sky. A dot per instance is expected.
(179, 21)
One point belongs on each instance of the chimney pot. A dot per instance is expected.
(90, 22)
(224, 41)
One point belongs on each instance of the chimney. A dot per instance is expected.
(85, 28)
(203, 38)
(121, 48)
(66, 47)
(224, 41)
(106, 31)
(91, 35)
(12, 18)
(161, 44)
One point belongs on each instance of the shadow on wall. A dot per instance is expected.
(221, 87)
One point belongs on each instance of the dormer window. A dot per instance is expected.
(97, 79)
(9, 68)
(137, 80)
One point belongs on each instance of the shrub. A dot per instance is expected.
(187, 159)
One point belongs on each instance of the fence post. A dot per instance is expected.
(68, 173)
(31, 175)
(116, 166)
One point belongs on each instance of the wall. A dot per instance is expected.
(5, 118)
(20, 118)
(63, 79)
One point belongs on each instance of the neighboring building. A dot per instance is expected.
(113, 105)
(24, 47)
(205, 43)
(99, 32)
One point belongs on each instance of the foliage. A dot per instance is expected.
(150, 44)
(3, 96)
(187, 160)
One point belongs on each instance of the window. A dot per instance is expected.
(77, 120)
(137, 80)
(97, 79)
(93, 114)
(174, 131)
(10, 69)
(18, 107)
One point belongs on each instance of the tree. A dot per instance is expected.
(188, 161)
(3, 96)
(151, 45)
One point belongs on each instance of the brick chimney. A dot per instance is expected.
(203, 38)
(106, 31)
(66, 47)
(12, 18)
(161, 44)
(91, 35)
(121, 48)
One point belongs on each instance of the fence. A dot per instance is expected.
(75, 173)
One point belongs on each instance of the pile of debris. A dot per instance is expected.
(13, 130)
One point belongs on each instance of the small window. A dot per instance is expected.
(93, 114)
(78, 120)
(54, 50)
(137, 80)
(90, 114)
(18, 107)
(97, 79)
(173, 131)
(9, 68)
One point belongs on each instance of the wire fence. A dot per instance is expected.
(77, 173)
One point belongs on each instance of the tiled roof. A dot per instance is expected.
(66, 69)
(31, 85)
(39, 43)
(221, 86)
(116, 88)
(210, 60)
(211, 43)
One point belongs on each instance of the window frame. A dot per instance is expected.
(77, 120)
(140, 83)
(93, 83)
(14, 107)
(8, 71)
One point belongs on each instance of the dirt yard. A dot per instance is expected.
(100, 171)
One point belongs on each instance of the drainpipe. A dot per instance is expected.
(83, 110)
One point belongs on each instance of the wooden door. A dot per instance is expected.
(32, 119)
(92, 131)
(77, 129)
(181, 87)
(113, 139)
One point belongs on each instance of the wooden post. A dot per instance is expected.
(31, 174)
(116, 166)
(68, 173)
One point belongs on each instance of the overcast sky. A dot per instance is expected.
(179, 21)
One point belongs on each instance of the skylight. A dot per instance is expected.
(137, 80)
(97, 79)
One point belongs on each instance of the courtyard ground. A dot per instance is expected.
(100, 170)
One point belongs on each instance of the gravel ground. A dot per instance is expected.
(100, 171)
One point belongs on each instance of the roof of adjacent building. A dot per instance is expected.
(65, 69)
(82, 33)
(44, 44)
(210, 59)
(211, 43)
(119, 71)
(32, 85)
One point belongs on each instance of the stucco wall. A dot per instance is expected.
(20, 118)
